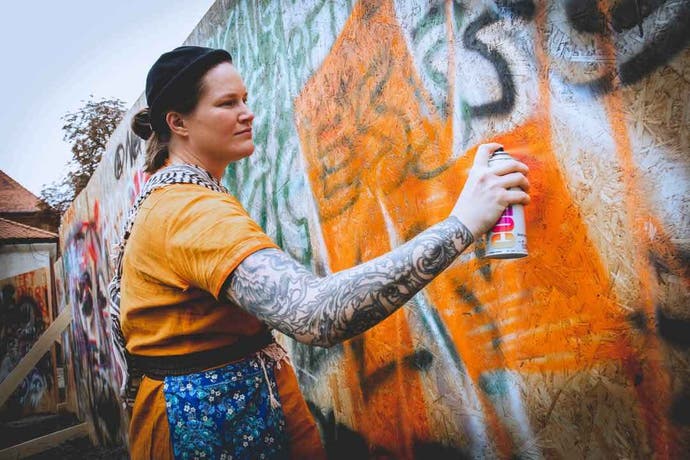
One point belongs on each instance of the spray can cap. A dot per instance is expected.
(498, 151)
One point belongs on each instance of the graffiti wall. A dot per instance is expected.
(64, 349)
(25, 313)
(84, 279)
(367, 117)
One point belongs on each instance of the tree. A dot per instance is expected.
(88, 130)
(57, 196)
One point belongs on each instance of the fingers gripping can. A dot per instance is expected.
(507, 239)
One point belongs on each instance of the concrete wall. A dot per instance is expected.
(368, 114)
(16, 259)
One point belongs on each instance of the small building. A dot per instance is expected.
(28, 250)
(24, 248)
(28, 231)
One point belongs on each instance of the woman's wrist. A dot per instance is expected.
(462, 235)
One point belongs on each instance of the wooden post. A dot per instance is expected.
(44, 443)
(34, 355)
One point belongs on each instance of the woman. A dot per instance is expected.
(202, 285)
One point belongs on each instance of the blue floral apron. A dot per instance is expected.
(230, 412)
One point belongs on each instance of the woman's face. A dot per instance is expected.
(220, 127)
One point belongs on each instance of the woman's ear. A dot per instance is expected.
(176, 123)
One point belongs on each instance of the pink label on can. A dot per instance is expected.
(502, 235)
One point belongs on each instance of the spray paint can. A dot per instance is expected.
(507, 239)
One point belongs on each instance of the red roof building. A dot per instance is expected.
(27, 258)
(14, 197)
(14, 232)
(20, 205)
(25, 242)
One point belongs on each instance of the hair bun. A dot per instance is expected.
(141, 123)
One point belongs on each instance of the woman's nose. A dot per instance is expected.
(247, 115)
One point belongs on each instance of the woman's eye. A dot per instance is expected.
(233, 102)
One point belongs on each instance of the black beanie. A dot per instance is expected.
(174, 68)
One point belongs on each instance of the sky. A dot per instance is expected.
(58, 53)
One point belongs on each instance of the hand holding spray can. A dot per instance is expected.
(507, 239)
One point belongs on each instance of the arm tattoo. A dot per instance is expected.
(324, 311)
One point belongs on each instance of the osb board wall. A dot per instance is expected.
(367, 117)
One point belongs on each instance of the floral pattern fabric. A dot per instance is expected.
(226, 413)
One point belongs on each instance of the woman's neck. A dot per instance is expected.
(183, 156)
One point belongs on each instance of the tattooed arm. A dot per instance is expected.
(328, 310)
(325, 311)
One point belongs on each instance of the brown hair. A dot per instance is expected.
(183, 99)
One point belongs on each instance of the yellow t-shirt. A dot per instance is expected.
(185, 242)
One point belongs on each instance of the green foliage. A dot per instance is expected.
(87, 129)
